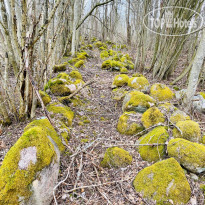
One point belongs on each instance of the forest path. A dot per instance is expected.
(102, 113)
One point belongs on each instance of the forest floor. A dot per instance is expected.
(83, 181)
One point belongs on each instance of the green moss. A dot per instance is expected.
(98, 44)
(45, 97)
(112, 64)
(82, 55)
(129, 65)
(59, 68)
(152, 116)
(104, 54)
(89, 46)
(161, 92)
(158, 135)
(202, 94)
(190, 130)
(179, 116)
(137, 75)
(167, 107)
(111, 52)
(15, 183)
(118, 93)
(116, 157)
(162, 182)
(79, 64)
(127, 123)
(189, 154)
(123, 70)
(139, 83)
(66, 114)
(75, 74)
(48, 128)
(120, 80)
(64, 76)
(137, 101)
(73, 60)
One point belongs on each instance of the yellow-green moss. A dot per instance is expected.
(84, 140)
(59, 68)
(98, 44)
(179, 116)
(111, 52)
(89, 46)
(118, 93)
(123, 70)
(129, 65)
(15, 183)
(48, 128)
(162, 182)
(167, 107)
(82, 55)
(152, 116)
(73, 60)
(161, 92)
(116, 157)
(112, 64)
(189, 154)
(202, 94)
(120, 80)
(158, 135)
(75, 74)
(79, 64)
(64, 76)
(104, 54)
(66, 114)
(137, 101)
(128, 126)
(45, 97)
(139, 83)
(137, 75)
(190, 130)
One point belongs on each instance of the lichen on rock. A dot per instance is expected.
(137, 101)
(152, 116)
(116, 157)
(161, 92)
(163, 181)
(120, 80)
(139, 83)
(189, 154)
(129, 123)
(189, 130)
(158, 135)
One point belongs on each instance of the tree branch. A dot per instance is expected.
(91, 11)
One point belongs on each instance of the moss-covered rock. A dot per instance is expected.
(139, 83)
(64, 113)
(73, 60)
(45, 97)
(129, 123)
(137, 101)
(59, 68)
(189, 154)
(161, 92)
(163, 182)
(158, 135)
(111, 52)
(167, 108)
(116, 157)
(118, 94)
(17, 173)
(98, 44)
(112, 64)
(104, 54)
(178, 115)
(120, 80)
(75, 74)
(137, 75)
(79, 63)
(82, 55)
(202, 94)
(123, 70)
(152, 116)
(190, 130)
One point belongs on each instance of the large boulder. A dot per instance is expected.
(189, 154)
(137, 101)
(188, 129)
(129, 123)
(30, 169)
(152, 116)
(164, 182)
(151, 151)
(116, 157)
(161, 92)
(139, 83)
